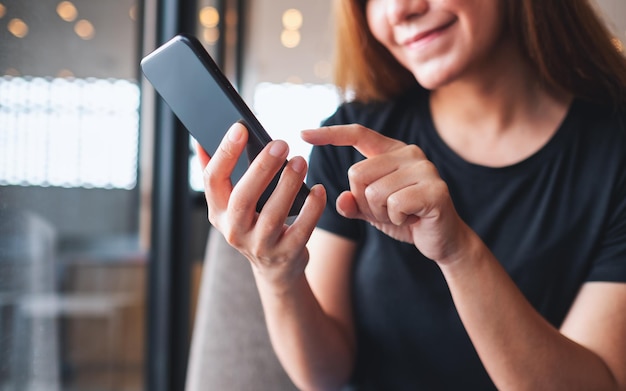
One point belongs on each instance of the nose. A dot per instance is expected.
(399, 11)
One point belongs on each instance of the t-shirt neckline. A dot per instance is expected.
(528, 163)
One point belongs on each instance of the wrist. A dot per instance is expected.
(280, 279)
(465, 259)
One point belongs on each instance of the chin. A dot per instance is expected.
(433, 82)
(437, 75)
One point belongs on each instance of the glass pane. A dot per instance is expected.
(287, 69)
(72, 271)
(208, 25)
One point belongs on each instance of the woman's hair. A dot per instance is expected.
(363, 66)
(565, 41)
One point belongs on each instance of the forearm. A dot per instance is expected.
(519, 348)
(314, 350)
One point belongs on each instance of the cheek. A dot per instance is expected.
(377, 23)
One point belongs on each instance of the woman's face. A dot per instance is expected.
(439, 41)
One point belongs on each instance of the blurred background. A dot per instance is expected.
(102, 223)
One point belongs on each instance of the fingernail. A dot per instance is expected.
(278, 149)
(298, 164)
(234, 134)
(317, 190)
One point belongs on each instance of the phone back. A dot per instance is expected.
(198, 99)
(203, 99)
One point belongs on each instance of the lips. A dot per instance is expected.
(423, 34)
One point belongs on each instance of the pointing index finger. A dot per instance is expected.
(368, 142)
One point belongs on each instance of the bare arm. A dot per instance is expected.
(520, 349)
(312, 336)
(310, 323)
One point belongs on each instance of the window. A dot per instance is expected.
(283, 110)
(72, 269)
(68, 132)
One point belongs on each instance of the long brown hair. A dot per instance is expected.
(363, 66)
(565, 41)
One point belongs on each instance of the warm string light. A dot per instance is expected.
(209, 18)
(292, 21)
(67, 11)
(18, 27)
(84, 29)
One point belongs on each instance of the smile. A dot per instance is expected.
(426, 36)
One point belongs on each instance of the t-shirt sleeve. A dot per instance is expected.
(610, 260)
(329, 166)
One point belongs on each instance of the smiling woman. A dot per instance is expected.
(456, 229)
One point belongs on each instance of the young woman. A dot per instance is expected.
(475, 231)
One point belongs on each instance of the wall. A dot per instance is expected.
(615, 14)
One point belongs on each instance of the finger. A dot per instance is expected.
(217, 183)
(379, 192)
(422, 200)
(227, 154)
(347, 207)
(368, 142)
(258, 176)
(276, 210)
(298, 233)
(358, 187)
(374, 168)
(363, 176)
(203, 156)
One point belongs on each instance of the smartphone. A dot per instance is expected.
(206, 103)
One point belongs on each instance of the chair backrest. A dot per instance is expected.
(230, 347)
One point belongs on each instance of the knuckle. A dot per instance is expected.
(263, 165)
(232, 238)
(210, 179)
(228, 150)
(437, 191)
(394, 202)
(356, 171)
(258, 251)
(269, 226)
(374, 195)
(360, 128)
(357, 128)
(441, 188)
(426, 166)
(414, 151)
(238, 204)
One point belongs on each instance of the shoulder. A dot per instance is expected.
(599, 132)
(602, 119)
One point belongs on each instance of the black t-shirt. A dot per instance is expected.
(553, 220)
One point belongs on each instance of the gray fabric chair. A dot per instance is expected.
(230, 347)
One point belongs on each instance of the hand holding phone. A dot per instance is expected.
(206, 103)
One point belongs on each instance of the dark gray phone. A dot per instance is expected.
(206, 103)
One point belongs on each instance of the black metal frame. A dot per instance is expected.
(169, 268)
(169, 276)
